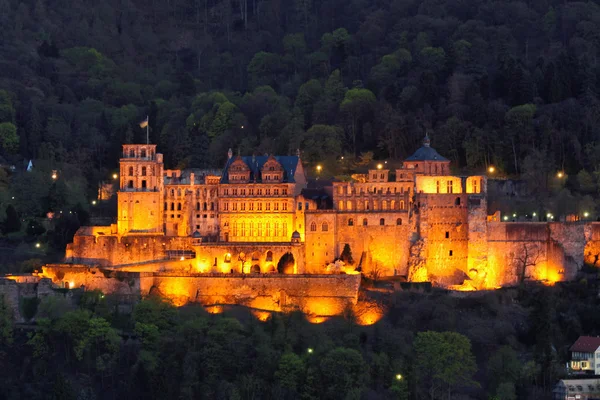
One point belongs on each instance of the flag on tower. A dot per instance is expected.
(144, 123)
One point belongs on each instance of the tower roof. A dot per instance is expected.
(426, 153)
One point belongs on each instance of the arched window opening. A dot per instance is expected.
(212, 206)
(457, 201)
(204, 206)
(197, 206)
(402, 204)
(350, 222)
(172, 206)
(399, 221)
(269, 256)
(313, 227)
(131, 153)
(130, 185)
(178, 206)
(130, 171)
(349, 205)
(381, 221)
(143, 153)
(324, 227)
(143, 171)
(365, 222)
(341, 205)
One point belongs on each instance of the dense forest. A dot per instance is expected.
(505, 345)
(512, 84)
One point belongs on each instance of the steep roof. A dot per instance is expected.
(586, 344)
(426, 153)
(255, 163)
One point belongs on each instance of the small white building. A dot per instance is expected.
(577, 389)
(585, 355)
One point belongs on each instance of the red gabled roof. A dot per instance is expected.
(586, 344)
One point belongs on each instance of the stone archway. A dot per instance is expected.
(255, 269)
(286, 264)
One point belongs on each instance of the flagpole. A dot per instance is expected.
(147, 129)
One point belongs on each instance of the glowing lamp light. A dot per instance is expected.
(182, 258)
(54, 175)
(37, 245)
(242, 127)
(379, 166)
(505, 218)
(586, 214)
(514, 215)
(71, 285)
(399, 377)
(560, 174)
(319, 168)
(310, 350)
(534, 214)
(115, 176)
(491, 169)
(548, 215)
(93, 202)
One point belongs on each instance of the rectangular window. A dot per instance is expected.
(260, 192)
(243, 206)
(251, 192)
(276, 192)
(268, 192)
(475, 187)
(235, 192)
(234, 206)
(144, 184)
(284, 191)
(437, 186)
(259, 205)
(276, 207)
(299, 206)
(450, 253)
(449, 187)
(447, 235)
(268, 206)
(284, 206)
(251, 205)
(226, 206)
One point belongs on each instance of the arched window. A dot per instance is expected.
(130, 185)
(143, 171)
(313, 227)
(341, 205)
(399, 221)
(143, 153)
(212, 206)
(228, 258)
(130, 171)
(350, 222)
(165, 206)
(381, 221)
(269, 256)
(172, 192)
(197, 206)
(457, 201)
(366, 204)
(365, 222)
(178, 206)
(349, 205)
(204, 206)
(178, 192)
(324, 227)
(384, 204)
(402, 204)
(131, 153)
(172, 206)
(393, 205)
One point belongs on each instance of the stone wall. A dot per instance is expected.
(323, 295)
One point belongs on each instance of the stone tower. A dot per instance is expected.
(140, 195)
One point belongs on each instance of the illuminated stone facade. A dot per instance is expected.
(260, 215)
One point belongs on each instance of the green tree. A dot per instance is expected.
(503, 366)
(12, 223)
(343, 371)
(346, 255)
(442, 362)
(9, 140)
(321, 142)
(358, 106)
(290, 372)
(7, 109)
(6, 324)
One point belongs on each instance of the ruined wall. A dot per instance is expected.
(444, 228)
(320, 245)
(592, 246)
(322, 295)
(518, 251)
(384, 249)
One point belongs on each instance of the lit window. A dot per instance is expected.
(313, 227)
(449, 187)
(324, 227)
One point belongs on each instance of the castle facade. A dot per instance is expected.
(260, 214)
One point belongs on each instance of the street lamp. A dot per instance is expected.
(310, 350)
(379, 166)
(399, 377)
(93, 202)
(37, 245)
(560, 174)
(115, 176)
(54, 175)
(491, 169)
(586, 214)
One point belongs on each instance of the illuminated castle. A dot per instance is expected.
(259, 215)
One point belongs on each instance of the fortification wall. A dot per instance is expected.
(322, 295)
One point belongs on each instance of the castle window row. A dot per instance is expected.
(324, 227)
(351, 190)
(367, 205)
(254, 206)
(259, 229)
(143, 171)
(205, 206)
(365, 222)
(255, 192)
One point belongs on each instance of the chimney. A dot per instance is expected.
(192, 179)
